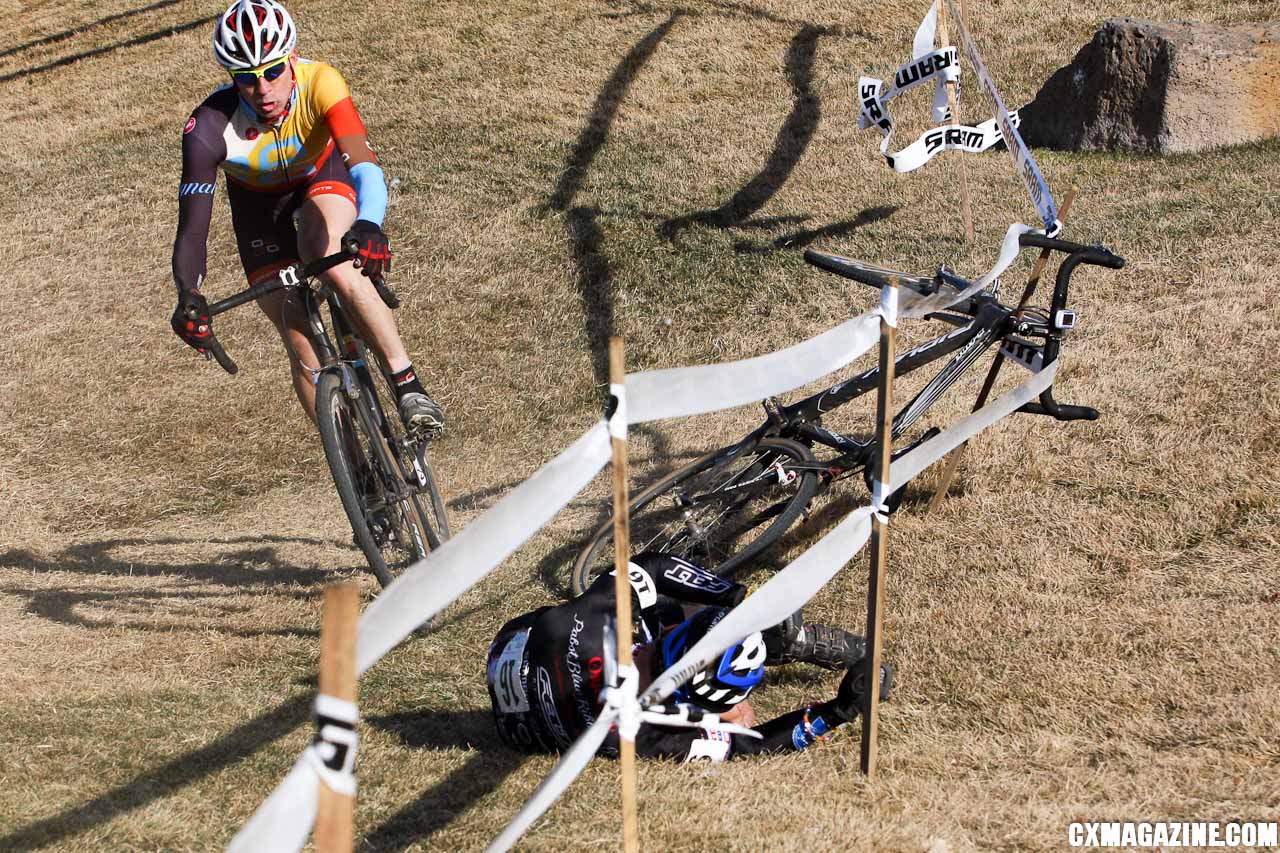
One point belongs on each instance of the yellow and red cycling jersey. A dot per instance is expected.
(271, 159)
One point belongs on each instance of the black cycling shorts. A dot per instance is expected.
(263, 221)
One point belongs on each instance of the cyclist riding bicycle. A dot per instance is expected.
(291, 144)
(546, 668)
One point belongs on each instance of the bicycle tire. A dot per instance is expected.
(404, 531)
(705, 483)
(437, 521)
(436, 502)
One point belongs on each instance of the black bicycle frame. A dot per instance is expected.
(356, 359)
(800, 419)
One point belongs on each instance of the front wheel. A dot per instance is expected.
(720, 511)
(386, 517)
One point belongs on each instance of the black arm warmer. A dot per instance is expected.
(200, 163)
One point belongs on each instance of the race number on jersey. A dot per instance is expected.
(505, 676)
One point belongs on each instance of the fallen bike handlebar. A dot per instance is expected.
(1098, 255)
(1076, 254)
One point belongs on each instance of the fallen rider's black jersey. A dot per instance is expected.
(546, 668)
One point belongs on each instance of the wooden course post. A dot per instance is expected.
(621, 558)
(954, 458)
(879, 534)
(335, 813)
(953, 103)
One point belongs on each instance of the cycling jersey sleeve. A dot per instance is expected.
(684, 581)
(203, 149)
(333, 101)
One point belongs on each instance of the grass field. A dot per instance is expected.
(1086, 630)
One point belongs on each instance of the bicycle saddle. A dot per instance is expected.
(870, 274)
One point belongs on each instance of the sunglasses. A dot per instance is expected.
(250, 77)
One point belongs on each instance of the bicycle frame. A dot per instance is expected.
(352, 367)
(991, 322)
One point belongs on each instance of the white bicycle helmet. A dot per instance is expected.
(252, 33)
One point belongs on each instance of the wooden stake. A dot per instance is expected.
(335, 813)
(621, 557)
(953, 103)
(954, 458)
(879, 549)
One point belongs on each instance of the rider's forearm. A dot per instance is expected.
(195, 209)
(792, 732)
(195, 206)
(371, 192)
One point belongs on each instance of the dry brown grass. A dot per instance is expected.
(1086, 630)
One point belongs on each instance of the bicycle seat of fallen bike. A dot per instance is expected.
(879, 277)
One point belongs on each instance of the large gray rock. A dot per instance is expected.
(1166, 88)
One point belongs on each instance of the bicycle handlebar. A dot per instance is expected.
(291, 276)
(1097, 255)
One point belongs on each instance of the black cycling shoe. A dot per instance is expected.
(820, 645)
(422, 416)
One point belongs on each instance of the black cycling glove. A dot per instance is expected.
(191, 320)
(848, 702)
(370, 246)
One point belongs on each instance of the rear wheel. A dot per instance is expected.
(387, 516)
(720, 511)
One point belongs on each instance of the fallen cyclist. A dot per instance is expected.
(546, 668)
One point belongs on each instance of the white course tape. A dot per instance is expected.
(1023, 163)
(622, 699)
(566, 770)
(681, 391)
(432, 583)
(284, 820)
(618, 420)
(877, 500)
(953, 137)
(941, 66)
(889, 306)
(942, 300)
(905, 468)
(333, 752)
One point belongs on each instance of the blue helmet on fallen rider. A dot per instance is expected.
(729, 678)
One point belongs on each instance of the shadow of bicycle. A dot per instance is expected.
(232, 565)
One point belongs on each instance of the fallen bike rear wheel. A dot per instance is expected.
(720, 511)
(391, 525)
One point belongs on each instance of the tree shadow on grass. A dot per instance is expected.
(251, 560)
(789, 145)
(161, 611)
(110, 48)
(84, 28)
(799, 239)
(595, 276)
(163, 781)
(487, 765)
